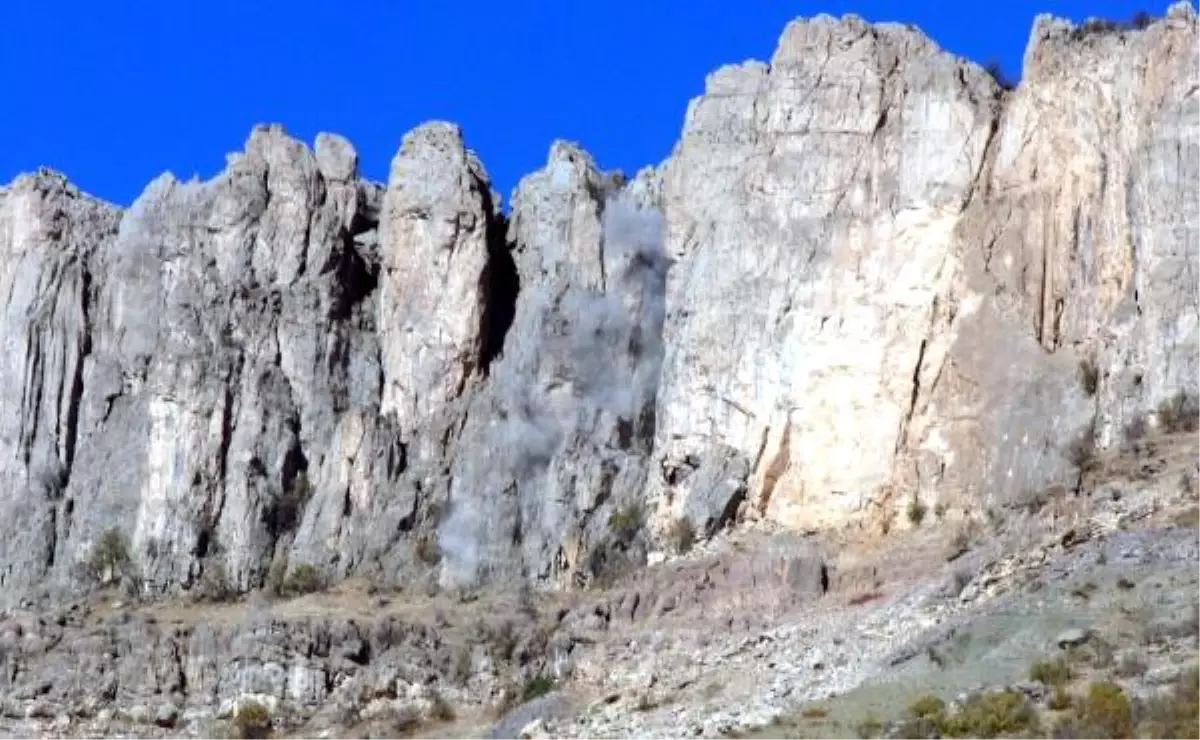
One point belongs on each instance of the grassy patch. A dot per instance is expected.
(1056, 672)
(539, 685)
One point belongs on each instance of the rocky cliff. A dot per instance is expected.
(867, 274)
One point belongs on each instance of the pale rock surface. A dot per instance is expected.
(890, 272)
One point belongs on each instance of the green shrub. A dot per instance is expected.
(110, 558)
(1174, 714)
(1054, 672)
(927, 706)
(1060, 699)
(304, 579)
(1104, 712)
(626, 522)
(916, 512)
(539, 685)
(869, 727)
(252, 721)
(993, 714)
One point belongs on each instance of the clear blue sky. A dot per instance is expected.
(114, 93)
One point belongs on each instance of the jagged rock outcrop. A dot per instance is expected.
(890, 271)
(866, 274)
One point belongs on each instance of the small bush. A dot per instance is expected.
(869, 727)
(304, 579)
(916, 512)
(814, 713)
(539, 685)
(110, 559)
(1056, 672)
(993, 714)
(427, 549)
(252, 721)
(1104, 712)
(939, 511)
(682, 535)
(626, 522)
(926, 706)
(1174, 714)
(1060, 699)
(1125, 584)
(1179, 413)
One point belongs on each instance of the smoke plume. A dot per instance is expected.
(575, 362)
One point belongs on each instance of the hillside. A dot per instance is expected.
(259, 432)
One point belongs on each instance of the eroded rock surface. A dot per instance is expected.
(867, 276)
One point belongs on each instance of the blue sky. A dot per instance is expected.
(114, 93)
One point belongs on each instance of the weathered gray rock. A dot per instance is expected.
(567, 414)
(866, 274)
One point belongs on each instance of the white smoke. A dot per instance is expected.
(588, 352)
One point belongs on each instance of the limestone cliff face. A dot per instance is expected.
(891, 271)
(866, 273)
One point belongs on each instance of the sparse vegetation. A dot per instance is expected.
(1125, 584)
(110, 559)
(427, 549)
(1173, 714)
(916, 511)
(926, 706)
(869, 727)
(992, 714)
(252, 721)
(539, 685)
(1060, 700)
(939, 511)
(1103, 712)
(1179, 413)
(681, 535)
(625, 523)
(814, 712)
(1055, 672)
(304, 579)
(1139, 21)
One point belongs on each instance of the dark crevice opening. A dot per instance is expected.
(499, 285)
(356, 280)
